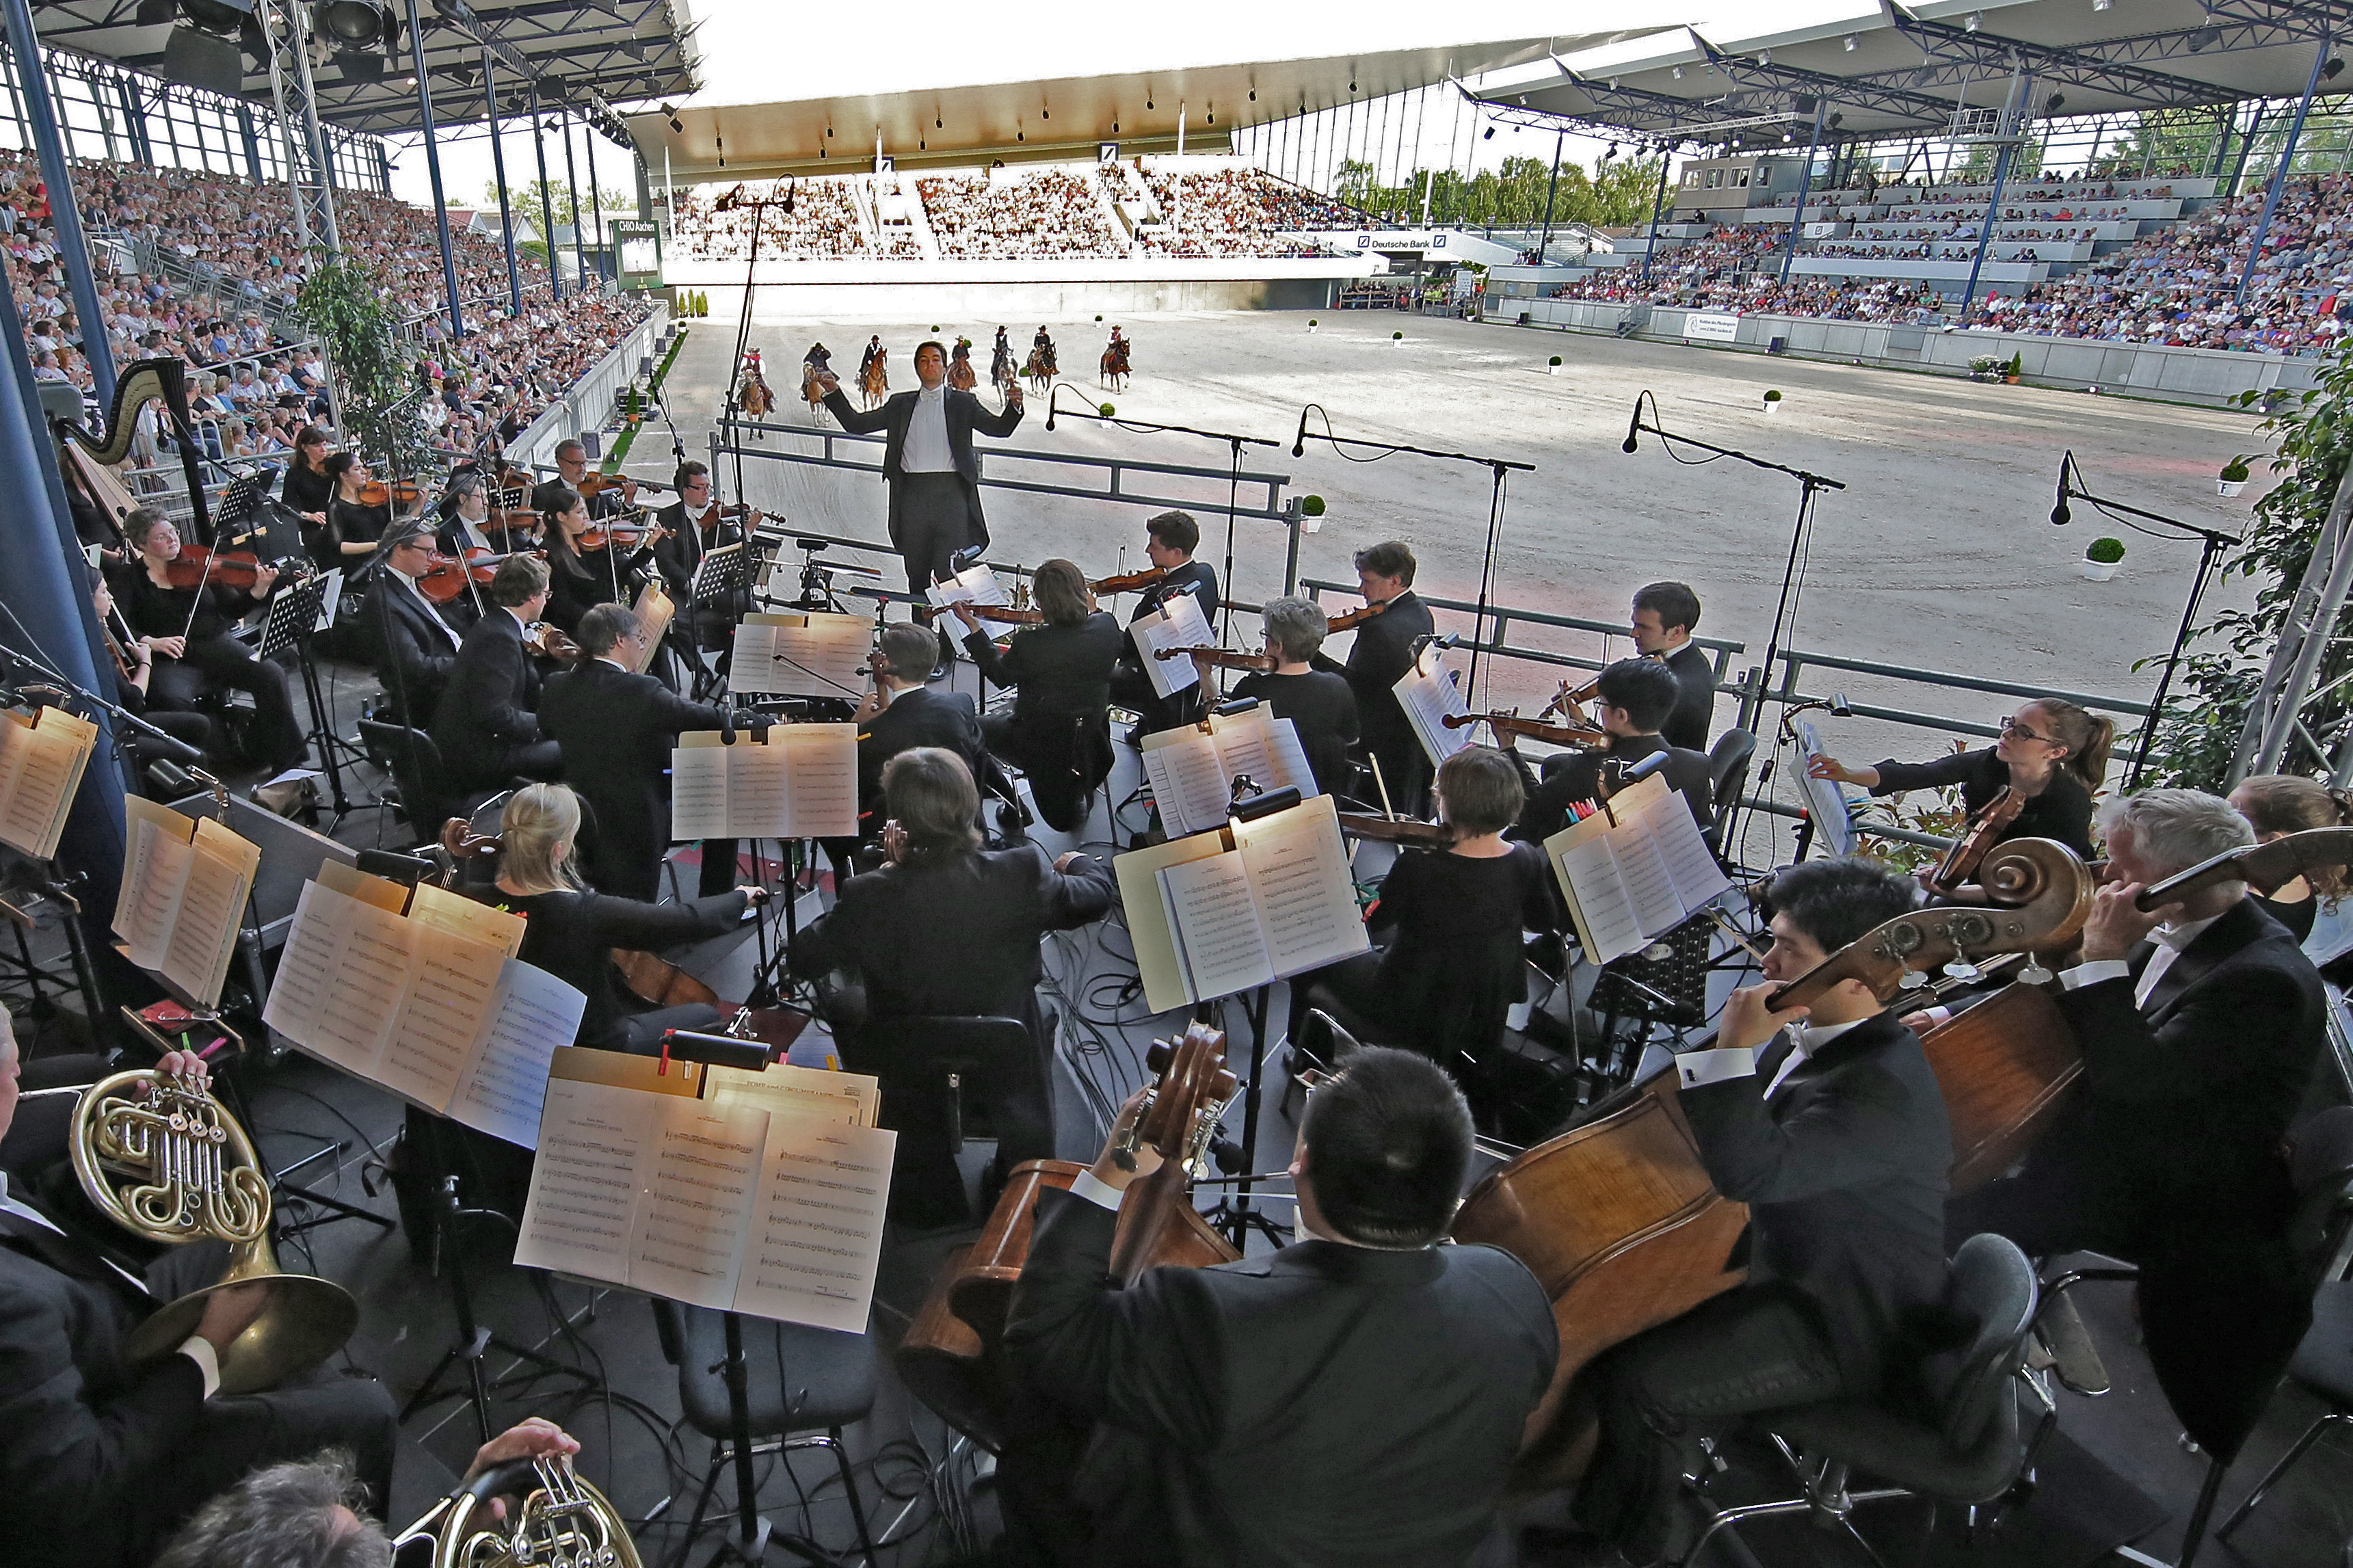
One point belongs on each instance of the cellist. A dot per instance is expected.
(1832, 1130)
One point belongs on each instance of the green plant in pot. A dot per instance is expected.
(1553, 365)
(1772, 400)
(2233, 478)
(2103, 559)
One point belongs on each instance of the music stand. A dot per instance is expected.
(294, 617)
(241, 503)
(722, 576)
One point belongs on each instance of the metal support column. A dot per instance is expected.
(65, 208)
(572, 179)
(2271, 723)
(595, 202)
(1805, 188)
(308, 176)
(134, 120)
(2246, 145)
(1658, 205)
(251, 142)
(2013, 127)
(2279, 175)
(546, 206)
(498, 169)
(1559, 139)
(433, 172)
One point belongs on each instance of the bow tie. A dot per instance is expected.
(2175, 937)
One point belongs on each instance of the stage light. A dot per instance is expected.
(348, 24)
(1678, 73)
(1490, 136)
(1352, 87)
(2204, 38)
(1852, 43)
(1975, 20)
(2051, 105)
(678, 125)
(2102, 5)
(2328, 72)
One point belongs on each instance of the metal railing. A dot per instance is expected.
(588, 402)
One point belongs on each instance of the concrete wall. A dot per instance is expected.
(1045, 299)
(2175, 374)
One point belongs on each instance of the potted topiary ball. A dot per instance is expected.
(1553, 367)
(1105, 410)
(1311, 323)
(2233, 478)
(1311, 513)
(1398, 337)
(2102, 560)
(1772, 400)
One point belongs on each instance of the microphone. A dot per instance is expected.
(1299, 444)
(727, 725)
(2059, 512)
(1049, 407)
(1634, 427)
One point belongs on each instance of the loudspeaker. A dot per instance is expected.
(200, 59)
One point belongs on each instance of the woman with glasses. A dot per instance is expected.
(2052, 753)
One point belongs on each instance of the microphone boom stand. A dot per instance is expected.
(1496, 467)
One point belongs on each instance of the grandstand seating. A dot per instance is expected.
(204, 265)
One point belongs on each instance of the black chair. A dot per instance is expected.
(2320, 1168)
(1968, 1453)
(426, 797)
(1727, 775)
(805, 1385)
(927, 1066)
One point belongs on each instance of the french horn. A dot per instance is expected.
(163, 1159)
(562, 1523)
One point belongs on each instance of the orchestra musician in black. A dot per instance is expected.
(1352, 1401)
(487, 724)
(1320, 703)
(307, 485)
(1384, 651)
(1664, 617)
(2051, 751)
(413, 642)
(2276, 804)
(353, 525)
(928, 463)
(133, 674)
(1169, 539)
(1636, 697)
(902, 711)
(1828, 1123)
(696, 528)
(581, 575)
(195, 643)
(947, 929)
(2201, 1023)
(618, 728)
(1059, 729)
(612, 496)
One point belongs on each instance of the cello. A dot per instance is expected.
(953, 1358)
(1618, 1217)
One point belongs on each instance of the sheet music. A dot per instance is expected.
(504, 1092)
(973, 584)
(1177, 622)
(820, 765)
(461, 916)
(218, 875)
(1265, 747)
(1306, 897)
(801, 655)
(1189, 782)
(1220, 943)
(1833, 818)
(1607, 925)
(154, 868)
(340, 979)
(41, 764)
(452, 983)
(697, 789)
(1642, 870)
(1429, 695)
(816, 1239)
(801, 783)
(592, 1142)
(699, 1182)
(1699, 879)
(781, 1088)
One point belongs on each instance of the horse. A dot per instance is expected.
(813, 392)
(1112, 370)
(1040, 372)
(753, 393)
(1001, 373)
(960, 373)
(875, 385)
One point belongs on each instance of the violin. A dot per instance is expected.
(1351, 619)
(403, 493)
(1219, 658)
(548, 640)
(627, 536)
(594, 485)
(1399, 830)
(1984, 831)
(196, 565)
(1127, 583)
(1532, 728)
(1578, 696)
(448, 575)
(1012, 614)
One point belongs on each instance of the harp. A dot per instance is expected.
(87, 460)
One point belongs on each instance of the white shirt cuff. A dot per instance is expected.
(1694, 1068)
(1096, 1191)
(199, 1350)
(2095, 971)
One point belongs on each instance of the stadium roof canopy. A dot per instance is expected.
(583, 52)
(1888, 69)
(1049, 121)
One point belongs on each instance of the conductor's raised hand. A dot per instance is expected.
(828, 380)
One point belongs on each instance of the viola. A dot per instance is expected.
(1351, 619)
(1532, 728)
(1571, 697)
(1127, 583)
(1011, 615)
(627, 536)
(196, 565)
(1219, 658)
(1984, 831)
(403, 493)
(549, 641)
(1398, 830)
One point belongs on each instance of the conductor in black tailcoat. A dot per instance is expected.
(929, 464)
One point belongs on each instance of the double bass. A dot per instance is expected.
(953, 1358)
(1618, 1217)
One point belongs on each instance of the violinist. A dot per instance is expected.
(486, 723)
(1352, 1401)
(1636, 696)
(134, 670)
(572, 470)
(1320, 703)
(1450, 921)
(2051, 752)
(1169, 541)
(1058, 730)
(466, 524)
(354, 524)
(697, 526)
(414, 645)
(202, 621)
(2201, 1023)
(308, 487)
(571, 931)
(1382, 653)
(2276, 804)
(1828, 1123)
(902, 711)
(581, 574)
(616, 729)
(947, 929)
(1664, 615)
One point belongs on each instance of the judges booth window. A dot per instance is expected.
(1714, 179)
(1740, 179)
